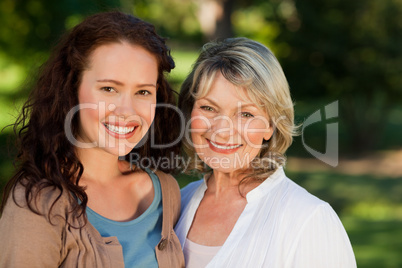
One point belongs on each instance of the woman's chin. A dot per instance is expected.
(121, 150)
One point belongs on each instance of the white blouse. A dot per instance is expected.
(282, 225)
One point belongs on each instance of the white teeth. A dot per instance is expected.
(224, 147)
(120, 130)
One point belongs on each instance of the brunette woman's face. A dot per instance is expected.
(117, 97)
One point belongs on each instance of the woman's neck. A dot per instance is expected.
(221, 183)
(98, 165)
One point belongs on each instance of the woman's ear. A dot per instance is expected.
(268, 134)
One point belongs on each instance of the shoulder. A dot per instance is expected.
(168, 181)
(170, 193)
(288, 202)
(297, 198)
(34, 231)
(297, 205)
(42, 199)
(315, 230)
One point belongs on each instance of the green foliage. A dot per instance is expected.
(31, 27)
(349, 47)
(251, 22)
(184, 60)
(173, 18)
(347, 50)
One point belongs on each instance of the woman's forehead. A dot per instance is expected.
(217, 83)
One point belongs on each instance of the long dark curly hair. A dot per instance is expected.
(45, 156)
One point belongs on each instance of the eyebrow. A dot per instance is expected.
(249, 105)
(121, 84)
(110, 81)
(211, 101)
(242, 105)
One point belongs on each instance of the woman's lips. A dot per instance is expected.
(121, 130)
(223, 148)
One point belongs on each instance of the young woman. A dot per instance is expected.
(246, 212)
(71, 202)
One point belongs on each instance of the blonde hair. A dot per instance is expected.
(250, 65)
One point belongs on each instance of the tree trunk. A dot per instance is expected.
(215, 18)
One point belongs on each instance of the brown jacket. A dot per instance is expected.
(31, 240)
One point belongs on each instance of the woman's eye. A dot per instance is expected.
(207, 108)
(108, 89)
(143, 92)
(246, 114)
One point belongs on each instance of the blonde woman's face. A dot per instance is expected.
(228, 130)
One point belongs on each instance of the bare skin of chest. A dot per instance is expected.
(126, 199)
(216, 217)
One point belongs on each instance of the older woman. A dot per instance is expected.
(246, 212)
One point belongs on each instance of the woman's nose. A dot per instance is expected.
(124, 106)
(223, 127)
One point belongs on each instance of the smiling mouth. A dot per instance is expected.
(223, 147)
(120, 130)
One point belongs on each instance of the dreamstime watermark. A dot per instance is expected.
(232, 127)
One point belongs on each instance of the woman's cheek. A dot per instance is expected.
(198, 127)
(254, 134)
(199, 122)
(146, 111)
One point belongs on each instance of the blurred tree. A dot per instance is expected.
(215, 18)
(31, 27)
(175, 19)
(333, 49)
(346, 50)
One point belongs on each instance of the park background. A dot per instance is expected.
(330, 50)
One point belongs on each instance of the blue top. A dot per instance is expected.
(139, 236)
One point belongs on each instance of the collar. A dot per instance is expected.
(261, 190)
